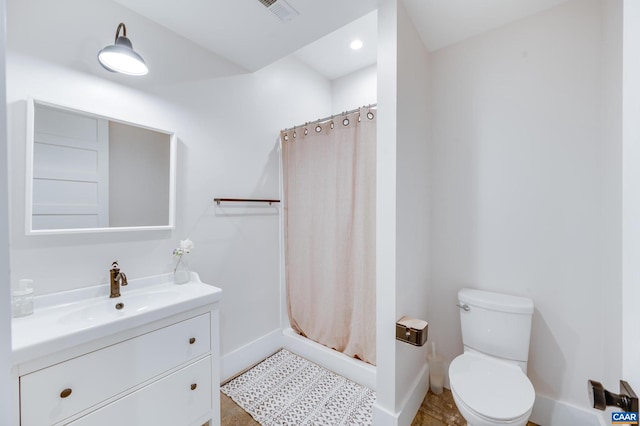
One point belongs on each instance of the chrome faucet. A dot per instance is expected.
(117, 279)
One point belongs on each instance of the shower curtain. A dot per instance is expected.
(329, 229)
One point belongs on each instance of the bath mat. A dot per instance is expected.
(286, 389)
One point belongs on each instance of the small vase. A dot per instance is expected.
(181, 273)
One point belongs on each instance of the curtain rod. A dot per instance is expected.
(331, 117)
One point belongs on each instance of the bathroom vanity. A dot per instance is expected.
(149, 357)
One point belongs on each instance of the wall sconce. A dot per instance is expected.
(120, 57)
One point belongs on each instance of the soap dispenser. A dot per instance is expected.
(22, 299)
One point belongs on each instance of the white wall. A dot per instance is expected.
(402, 206)
(354, 90)
(519, 184)
(384, 410)
(6, 397)
(611, 288)
(90, 25)
(227, 129)
(236, 123)
(412, 209)
(631, 195)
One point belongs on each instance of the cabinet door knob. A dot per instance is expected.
(65, 393)
(194, 386)
(192, 340)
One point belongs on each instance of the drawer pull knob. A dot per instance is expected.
(194, 386)
(65, 393)
(192, 340)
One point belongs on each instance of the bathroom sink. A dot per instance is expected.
(67, 319)
(110, 309)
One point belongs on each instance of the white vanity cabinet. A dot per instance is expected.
(177, 399)
(163, 371)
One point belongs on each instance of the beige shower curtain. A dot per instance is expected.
(329, 228)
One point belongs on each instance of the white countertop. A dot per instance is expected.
(63, 320)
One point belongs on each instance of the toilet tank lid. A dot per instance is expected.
(495, 301)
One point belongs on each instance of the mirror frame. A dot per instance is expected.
(31, 102)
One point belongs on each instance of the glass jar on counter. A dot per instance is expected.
(22, 298)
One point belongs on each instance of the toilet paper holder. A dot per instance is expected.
(411, 330)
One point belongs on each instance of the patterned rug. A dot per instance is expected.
(286, 389)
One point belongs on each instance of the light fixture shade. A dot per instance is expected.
(120, 57)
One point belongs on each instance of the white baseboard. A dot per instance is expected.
(419, 388)
(250, 354)
(383, 417)
(418, 392)
(548, 412)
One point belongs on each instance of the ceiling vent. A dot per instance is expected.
(281, 9)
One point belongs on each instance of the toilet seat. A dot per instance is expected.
(491, 388)
(479, 420)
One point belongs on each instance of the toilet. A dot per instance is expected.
(489, 380)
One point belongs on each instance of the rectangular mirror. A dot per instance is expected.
(91, 173)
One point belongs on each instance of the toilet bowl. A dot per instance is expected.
(489, 380)
(490, 392)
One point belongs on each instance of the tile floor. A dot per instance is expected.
(436, 410)
(232, 415)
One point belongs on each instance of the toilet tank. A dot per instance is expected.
(496, 324)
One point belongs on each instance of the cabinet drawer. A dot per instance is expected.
(170, 401)
(57, 392)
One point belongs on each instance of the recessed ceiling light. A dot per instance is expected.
(356, 44)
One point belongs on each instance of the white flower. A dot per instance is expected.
(184, 247)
